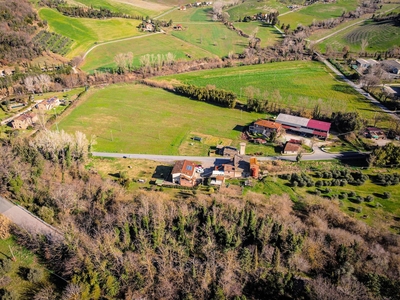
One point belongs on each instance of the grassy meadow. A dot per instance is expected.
(215, 38)
(87, 32)
(125, 7)
(139, 119)
(301, 84)
(380, 36)
(268, 34)
(251, 7)
(201, 14)
(102, 57)
(317, 11)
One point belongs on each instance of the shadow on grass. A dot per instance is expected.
(344, 89)
(162, 172)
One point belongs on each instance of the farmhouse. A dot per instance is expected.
(266, 127)
(24, 121)
(304, 126)
(48, 104)
(291, 148)
(391, 66)
(365, 63)
(183, 173)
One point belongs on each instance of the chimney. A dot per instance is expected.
(242, 149)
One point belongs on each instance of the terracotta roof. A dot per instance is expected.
(185, 167)
(291, 147)
(25, 116)
(268, 124)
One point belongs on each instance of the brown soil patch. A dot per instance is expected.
(145, 4)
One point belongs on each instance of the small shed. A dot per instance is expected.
(197, 138)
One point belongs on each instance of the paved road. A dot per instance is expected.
(359, 89)
(26, 220)
(317, 155)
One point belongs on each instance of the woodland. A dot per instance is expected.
(190, 245)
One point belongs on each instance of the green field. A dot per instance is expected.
(215, 38)
(139, 119)
(268, 34)
(102, 57)
(380, 36)
(86, 32)
(252, 7)
(118, 6)
(201, 14)
(300, 84)
(317, 11)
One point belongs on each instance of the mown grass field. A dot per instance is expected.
(215, 38)
(201, 14)
(318, 11)
(268, 34)
(380, 36)
(133, 118)
(102, 57)
(118, 6)
(86, 32)
(300, 84)
(251, 7)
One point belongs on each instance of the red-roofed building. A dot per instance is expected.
(183, 173)
(304, 126)
(291, 148)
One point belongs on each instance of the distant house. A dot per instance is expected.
(217, 180)
(304, 126)
(24, 121)
(178, 27)
(48, 104)
(391, 66)
(291, 148)
(365, 63)
(183, 173)
(265, 127)
(148, 26)
(183, 7)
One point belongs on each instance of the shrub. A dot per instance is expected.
(358, 209)
(4, 227)
(343, 182)
(328, 190)
(35, 275)
(352, 194)
(5, 266)
(359, 199)
(295, 183)
(318, 192)
(386, 195)
(369, 198)
(318, 183)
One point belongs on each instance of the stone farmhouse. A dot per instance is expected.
(48, 104)
(24, 121)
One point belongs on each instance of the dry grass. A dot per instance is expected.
(145, 4)
(5, 224)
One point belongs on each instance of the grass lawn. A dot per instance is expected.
(201, 14)
(102, 57)
(380, 36)
(268, 34)
(252, 7)
(215, 38)
(139, 119)
(24, 259)
(120, 6)
(318, 11)
(300, 85)
(87, 32)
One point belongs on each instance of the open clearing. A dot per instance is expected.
(300, 84)
(87, 32)
(215, 38)
(102, 57)
(138, 119)
(268, 34)
(251, 7)
(201, 14)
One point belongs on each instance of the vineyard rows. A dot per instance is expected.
(374, 33)
(53, 42)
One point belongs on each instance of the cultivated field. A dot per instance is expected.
(102, 57)
(301, 84)
(201, 14)
(215, 38)
(317, 11)
(139, 119)
(87, 32)
(380, 36)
